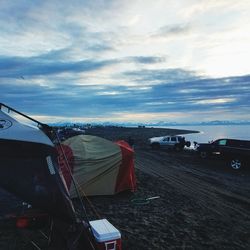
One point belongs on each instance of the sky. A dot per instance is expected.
(126, 60)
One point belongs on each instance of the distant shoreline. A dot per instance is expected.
(128, 125)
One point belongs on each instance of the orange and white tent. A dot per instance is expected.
(98, 166)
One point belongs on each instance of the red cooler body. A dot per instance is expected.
(107, 237)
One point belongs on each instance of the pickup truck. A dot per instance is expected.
(235, 152)
(175, 142)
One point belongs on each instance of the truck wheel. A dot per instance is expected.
(236, 163)
(203, 154)
(155, 146)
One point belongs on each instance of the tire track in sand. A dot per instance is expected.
(194, 183)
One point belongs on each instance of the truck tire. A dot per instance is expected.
(236, 163)
(155, 145)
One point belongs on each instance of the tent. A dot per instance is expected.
(98, 166)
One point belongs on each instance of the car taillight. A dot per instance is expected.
(22, 222)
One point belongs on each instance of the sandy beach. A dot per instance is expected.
(197, 204)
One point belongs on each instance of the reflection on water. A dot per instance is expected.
(209, 133)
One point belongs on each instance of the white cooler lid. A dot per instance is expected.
(103, 230)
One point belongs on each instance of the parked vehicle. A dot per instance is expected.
(66, 133)
(235, 152)
(175, 142)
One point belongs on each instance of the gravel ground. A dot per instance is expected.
(199, 205)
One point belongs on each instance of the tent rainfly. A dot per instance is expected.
(98, 166)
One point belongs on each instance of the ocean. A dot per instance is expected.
(213, 132)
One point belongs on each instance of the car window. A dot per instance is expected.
(166, 139)
(173, 138)
(181, 138)
(222, 142)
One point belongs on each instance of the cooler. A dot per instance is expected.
(106, 235)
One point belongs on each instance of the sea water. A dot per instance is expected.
(214, 132)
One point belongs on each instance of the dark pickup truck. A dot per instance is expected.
(235, 152)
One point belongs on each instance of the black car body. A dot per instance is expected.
(236, 152)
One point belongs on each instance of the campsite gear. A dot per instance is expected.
(106, 235)
(143, 201)
(29, 169)
(29, 166)
(99, 166)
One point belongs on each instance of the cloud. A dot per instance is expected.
(109, 58)
(73, 100)
(15, 67)
(161, 75)
(100, 47)
(174, 30)
(146, 59)
(215, 101)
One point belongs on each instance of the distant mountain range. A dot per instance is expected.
(151, 124)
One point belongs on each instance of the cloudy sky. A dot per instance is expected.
(130, 60)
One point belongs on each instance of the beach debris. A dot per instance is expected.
(144, 201)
